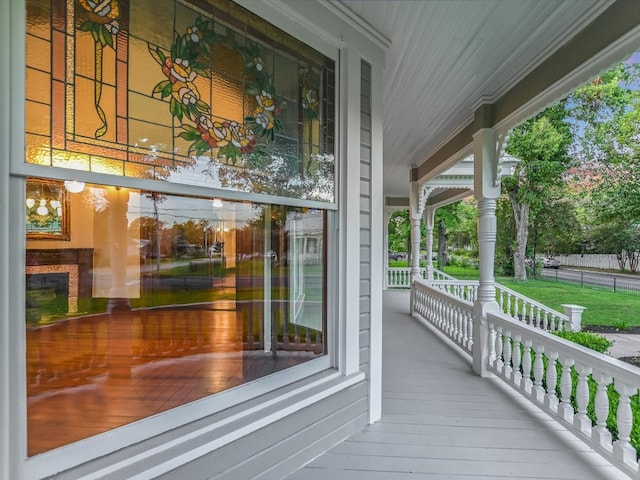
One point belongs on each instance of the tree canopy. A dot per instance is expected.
(541, 143)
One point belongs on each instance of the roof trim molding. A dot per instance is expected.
(364, 27)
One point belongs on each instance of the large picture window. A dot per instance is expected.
(143, 296)
(178, 91)
(159, 300)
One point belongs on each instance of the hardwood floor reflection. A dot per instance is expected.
(92, 374)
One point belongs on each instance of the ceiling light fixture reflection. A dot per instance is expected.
(217, 203)
(73, 186)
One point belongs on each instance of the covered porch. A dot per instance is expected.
(440, 420)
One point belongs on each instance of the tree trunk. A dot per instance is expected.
(442, 245)
(521, 216)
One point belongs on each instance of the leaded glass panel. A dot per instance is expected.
(204, 93)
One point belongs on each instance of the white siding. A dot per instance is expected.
(365, 216)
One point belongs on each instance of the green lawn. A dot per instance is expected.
(602, 307)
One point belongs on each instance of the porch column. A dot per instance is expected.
(487, 190)
(415, 215)
(429, 215)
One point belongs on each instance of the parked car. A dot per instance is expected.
(550, 262)
(397, 256)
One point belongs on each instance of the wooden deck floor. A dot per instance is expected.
(440, 421)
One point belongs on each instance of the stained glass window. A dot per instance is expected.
(201, 93)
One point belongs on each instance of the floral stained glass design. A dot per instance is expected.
(197, 93)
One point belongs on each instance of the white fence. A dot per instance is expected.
(601, 261)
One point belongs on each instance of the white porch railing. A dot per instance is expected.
(465, 289)
(400, 277)
(546, 369)
(450, 314)
(517, 306)
(526, 310)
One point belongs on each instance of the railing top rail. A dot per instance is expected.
(442, 274)
(541, 306)
(473, 283)
(442, 294)
(567, 349)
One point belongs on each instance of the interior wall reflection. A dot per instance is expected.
(200, 92)
(158, 300)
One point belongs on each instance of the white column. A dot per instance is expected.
(429, 215)
(487, 190)
(349, 251)
(415, 214)
(377, 247)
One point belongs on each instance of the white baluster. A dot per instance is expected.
(516, 376)
(545, 323)
(526, 367)
(565, 410)
(467, 331)
(622, 449)
(538, 374)
(499, 345)
(538, 318)
(600, 435)
(507, 354)
(551, 399)
(580, 420)
(492, 344)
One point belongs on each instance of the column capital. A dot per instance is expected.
(486, 154)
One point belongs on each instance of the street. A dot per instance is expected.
(614, 281)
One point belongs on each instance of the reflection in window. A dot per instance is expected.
(200, 93)
(157, 300)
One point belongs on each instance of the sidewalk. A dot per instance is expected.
(624, 344)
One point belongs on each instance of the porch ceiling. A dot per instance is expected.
(449, 56)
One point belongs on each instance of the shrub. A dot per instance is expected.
(587, 339)
(601, 344)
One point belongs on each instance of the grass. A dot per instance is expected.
(602, 307)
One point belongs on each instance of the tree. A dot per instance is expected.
(399, 231)
(541, 143)
(505, 235)
(607, 117)
(624, 241)
(556, 229)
